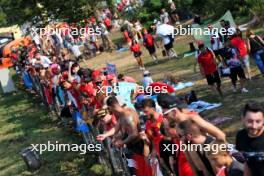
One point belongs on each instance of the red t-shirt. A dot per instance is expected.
(149, 40)
(153, 132)
(240, 44)
(126, 35)
(135, 48)
(107, 22)
(184, 166)
(88, 89)
(206, 60)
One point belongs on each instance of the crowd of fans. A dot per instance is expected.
(147, 123)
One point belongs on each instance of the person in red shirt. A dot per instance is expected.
(135, 48)
(153, 124)
(208, 67)
(149, 43)
(240, 44)
(107, 23)
(177, 112)
(127, 37)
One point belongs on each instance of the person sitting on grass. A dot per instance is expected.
(147, 80)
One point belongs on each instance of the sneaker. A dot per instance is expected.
(244, 90)
(234, 89)
(143, 68)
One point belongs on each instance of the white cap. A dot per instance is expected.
(146, 72)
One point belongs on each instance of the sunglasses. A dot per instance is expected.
(168, 111)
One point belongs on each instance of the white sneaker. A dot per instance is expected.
(244, 90)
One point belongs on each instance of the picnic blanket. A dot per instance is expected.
(182, 85)
(200, 106)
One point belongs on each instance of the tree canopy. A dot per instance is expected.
(19, 11)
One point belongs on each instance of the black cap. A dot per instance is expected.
(167, 101)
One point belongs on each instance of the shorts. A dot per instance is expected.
(246, 62)
(237, 72)
(151, 49)
(213, 78)
(168, 46)
(219, 52)
(137, 54)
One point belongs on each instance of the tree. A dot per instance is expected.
(2, 17)
(257, 9)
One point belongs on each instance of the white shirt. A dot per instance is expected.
(146, 81)
(76, 51)
(44, 60)
(217, 43)
(77, 78)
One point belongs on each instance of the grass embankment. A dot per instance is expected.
(24, 121)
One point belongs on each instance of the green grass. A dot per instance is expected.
(182, 68)
(24, 121)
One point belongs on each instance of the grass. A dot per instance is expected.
(182, 68)
(24, 121)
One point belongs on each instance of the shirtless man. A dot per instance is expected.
(126, 133)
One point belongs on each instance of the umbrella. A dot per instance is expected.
(165, 29)
(160, 86)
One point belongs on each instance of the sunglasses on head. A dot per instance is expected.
(168, 111)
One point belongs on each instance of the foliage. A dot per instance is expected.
(19, 11)
(257, 9)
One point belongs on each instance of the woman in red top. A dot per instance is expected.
(207, 63)
(135, 48)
